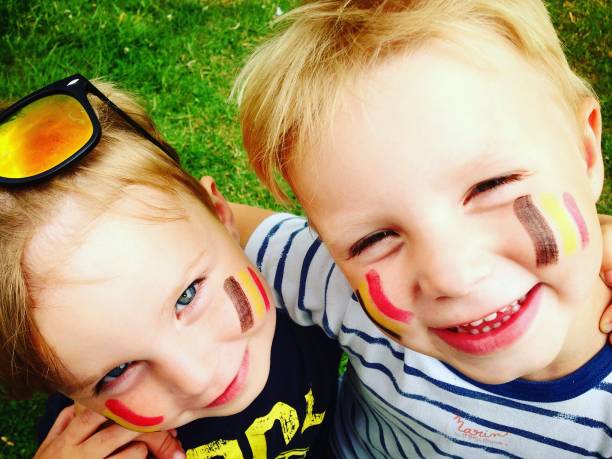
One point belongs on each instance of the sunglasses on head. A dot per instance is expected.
(52, 128)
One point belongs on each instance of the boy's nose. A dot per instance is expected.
(449, 265)
(187, 371)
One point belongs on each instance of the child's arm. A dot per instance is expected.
(80, 433)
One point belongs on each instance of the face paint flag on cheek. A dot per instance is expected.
(540, 233)
(122, 415)
(248, 296)
(566, 219)
(574, 212)
(379, 309)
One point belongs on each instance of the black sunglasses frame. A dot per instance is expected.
(78, 87)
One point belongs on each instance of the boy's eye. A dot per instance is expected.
(371, 239)
(112, 375)
(186, 297)
(488, 185)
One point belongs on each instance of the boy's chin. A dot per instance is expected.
(487, 376)
(503, 369)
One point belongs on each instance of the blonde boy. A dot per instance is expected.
(124, 287)
(450, 160)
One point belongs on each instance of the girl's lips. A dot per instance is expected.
(498, 338)
(235, 386)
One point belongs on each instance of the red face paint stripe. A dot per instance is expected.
(382, 302)
(260, 287)
(240, 301)
(119, 409)
(378, 324)
(572, 208)
(540, 233)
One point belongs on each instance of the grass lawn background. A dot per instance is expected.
(181, 57)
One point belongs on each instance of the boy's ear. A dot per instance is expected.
(221, 206)
(589, 118)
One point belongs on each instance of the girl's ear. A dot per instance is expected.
(589, 117)
(222, 209)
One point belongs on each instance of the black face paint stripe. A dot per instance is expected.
(241, 302)
(540, 233)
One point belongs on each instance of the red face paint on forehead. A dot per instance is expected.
(382, 302)
(540, 233)
(119, 409)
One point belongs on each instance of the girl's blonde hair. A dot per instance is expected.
(122, 158)
(289, 88)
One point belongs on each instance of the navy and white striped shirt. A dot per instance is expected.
(397, 403)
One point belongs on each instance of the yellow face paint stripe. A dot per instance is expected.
(123, 423)
(562, 222)
(377, 317)
(252, 293)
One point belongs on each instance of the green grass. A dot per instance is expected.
(181, 58)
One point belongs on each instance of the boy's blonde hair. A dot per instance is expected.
(122, 159)
(289, 88)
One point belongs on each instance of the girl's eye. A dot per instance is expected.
(489, 185)
(112, 376)
(362, 244)
(186, 297)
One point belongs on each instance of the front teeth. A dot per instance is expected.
(491, 317)
(493, 320)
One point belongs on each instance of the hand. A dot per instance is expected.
(605, 221)
(84, 435)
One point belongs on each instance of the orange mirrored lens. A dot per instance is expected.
(41, 135)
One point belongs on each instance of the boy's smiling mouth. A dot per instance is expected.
(496, 330)
(235, 386)
(491, 321)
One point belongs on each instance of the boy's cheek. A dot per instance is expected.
(248, 294)
(380, 308)
(119, 411)
(555, 225)
(137, 415)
